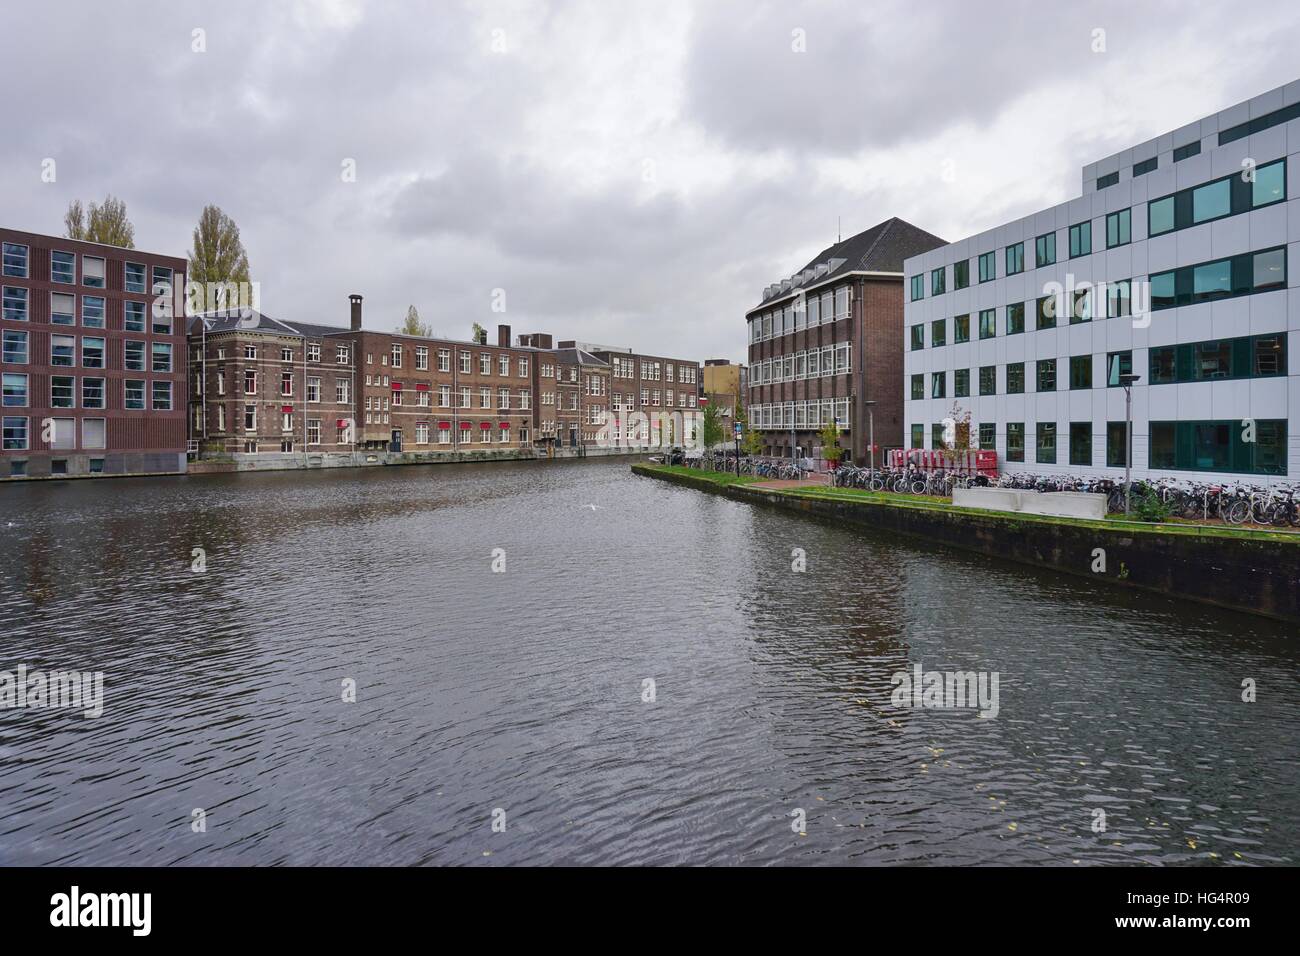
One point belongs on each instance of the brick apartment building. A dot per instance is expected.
(260, 384)
(266, 385)
(829, 340)
(649, 384)
(423, 394)
(92, 360)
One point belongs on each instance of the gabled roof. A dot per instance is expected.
(882, 248)
(578, 357)
(258, 322)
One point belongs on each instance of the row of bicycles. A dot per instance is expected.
(1272, 505)
(1237, 504)
(776, 468)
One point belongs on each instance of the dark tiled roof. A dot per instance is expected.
(577, 357)
(882, 248)
(258, 322)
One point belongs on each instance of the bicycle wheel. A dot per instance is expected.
(1235, 511)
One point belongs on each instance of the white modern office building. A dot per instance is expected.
(1178, 264)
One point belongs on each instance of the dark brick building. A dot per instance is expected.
(829, 339)
(93, 359)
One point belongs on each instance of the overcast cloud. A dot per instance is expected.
(629, 173)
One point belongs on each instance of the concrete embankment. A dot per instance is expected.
(1253, 571)
(299, 461)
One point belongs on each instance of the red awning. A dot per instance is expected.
(287, 409)
(465, 425)
(444, 424)
(397, 386)
(485, 425)
(342, 423)
(704, 401)
(505, 424)
(421, 386)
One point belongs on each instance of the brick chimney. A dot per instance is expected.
(355, 299)
(503, 336)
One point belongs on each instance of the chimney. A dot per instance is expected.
(503, 336)
(355, 299)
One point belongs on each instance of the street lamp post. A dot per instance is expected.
(1127, 380)
(871, 436)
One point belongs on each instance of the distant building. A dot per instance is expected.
(825, 342)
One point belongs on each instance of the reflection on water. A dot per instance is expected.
(523, 690)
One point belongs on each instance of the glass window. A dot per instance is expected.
(15, 304)
(15, 260)
(92, 393)
(63, 392)
(135, 278)
(1015, 258)
(988, 267)
(1119, 298)
(1116, 441)
(63, 350)
(961, 383)
(92, 311)
(1269, 185)
(15, 434)
(135, 393)
(918, 287)
(1047, 312)
(987, 436)
(961, 328)
(162, 356)
(133, 356)
(1163, 290)
(134, 316)
(1015, 441)
(1161, 362)
(961, 274)
(988, 379)
(1118, 228)
(1046, 375)
(1081, 443)
(15, 389)
(1045, 250)
(1015, 318)
(1268, 355)
(1045, 442)
(1117, 364)
(162, 396)
(939, 385)
(1081, 239)
(988, 323)
(63, 267)
(15, 347)
(1212, 280)
(918, 386)
(1160, 216)
(1270, 269)
(1015, 378)
(92, 352)
(918, 436)
(938, 332)
(918, 337)
(92, 272)
(937, 277)
(1080, 371)
(1212, 200)
(63, 308)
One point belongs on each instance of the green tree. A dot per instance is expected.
(713, 432)
(218, 255)
(107, 223)
(413, 325)
(830, 436)
(478, 332)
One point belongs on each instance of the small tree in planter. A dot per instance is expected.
(830, 436)
(955, 450)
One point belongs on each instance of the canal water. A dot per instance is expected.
(522, 696)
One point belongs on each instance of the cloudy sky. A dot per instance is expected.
(628, 173)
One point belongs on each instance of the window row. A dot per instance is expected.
(15, 302)
(813, 413)
(17, 434)
(15, 392)
(804, 364)
(802, 312)
(15, 261)
(1254, 447)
